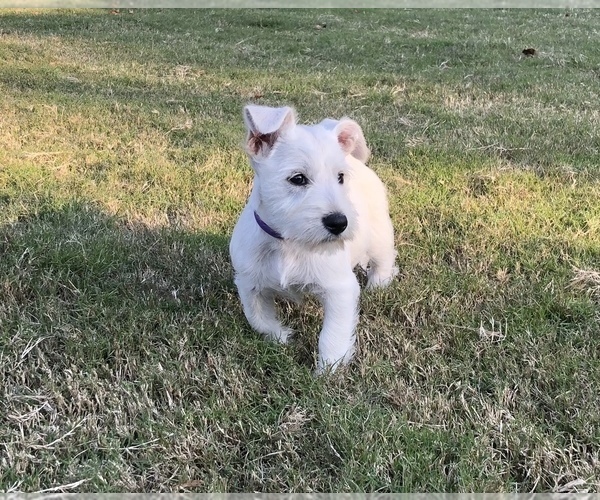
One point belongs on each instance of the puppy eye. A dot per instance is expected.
(298, 180)
(341, 177)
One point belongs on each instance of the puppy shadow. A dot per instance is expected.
(80, 276)
(305, 318)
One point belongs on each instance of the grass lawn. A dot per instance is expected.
(126, 363)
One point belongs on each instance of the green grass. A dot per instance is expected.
(126, 363)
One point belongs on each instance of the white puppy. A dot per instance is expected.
(315, 213)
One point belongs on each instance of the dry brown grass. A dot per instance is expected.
(126, 362)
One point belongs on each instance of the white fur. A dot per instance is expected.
(310, 258)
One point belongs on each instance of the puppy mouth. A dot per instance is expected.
(343, 236)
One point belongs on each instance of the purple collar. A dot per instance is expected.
(266, 228)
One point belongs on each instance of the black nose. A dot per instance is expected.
(335, 223)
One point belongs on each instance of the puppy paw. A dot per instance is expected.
(329, 366)
(378, 280)
(283, 335)
(324, 369)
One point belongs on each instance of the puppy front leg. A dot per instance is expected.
(338, 337)
(259, 308)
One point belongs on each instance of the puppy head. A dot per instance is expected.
(302, 174)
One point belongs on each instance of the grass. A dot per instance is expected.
(125, 359)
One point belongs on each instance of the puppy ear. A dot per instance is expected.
(265, 125)
(350, 137)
